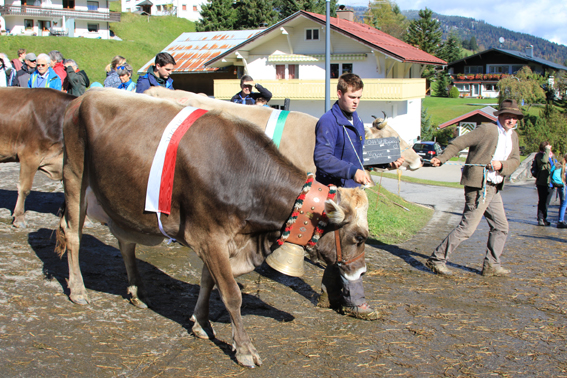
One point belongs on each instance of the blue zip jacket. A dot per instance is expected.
(334, 156)
(53, 81)
(148, 80)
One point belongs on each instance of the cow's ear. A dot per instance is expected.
(334, 212)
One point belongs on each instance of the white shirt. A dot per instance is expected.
(503, 150)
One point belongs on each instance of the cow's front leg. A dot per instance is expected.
(217, 260)
(135, 285)
(202, 327)
(27, 173)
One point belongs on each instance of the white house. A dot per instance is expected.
(288, 58)
(189, 9)
(73, 18)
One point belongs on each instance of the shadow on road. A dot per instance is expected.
(40, 202)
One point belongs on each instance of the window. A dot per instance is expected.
(92, 5)
(490, 87)
(280, 71)
(339, 69)
(158, 8)
(292, 71)
(334, 71)
(194, 8)
(347, 68)
(463, 87)
(473, 69)
(92, 28)
(28, 24)
(184, 7)
(44, 25)
(312, 34)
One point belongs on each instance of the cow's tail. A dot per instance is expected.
(60, 242)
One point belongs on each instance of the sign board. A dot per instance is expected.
(381, 151)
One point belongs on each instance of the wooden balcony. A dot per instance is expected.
(16, 10)
(296, 89)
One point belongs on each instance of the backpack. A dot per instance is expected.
(535, 169)
(556, 175)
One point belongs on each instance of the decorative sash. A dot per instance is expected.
(160, 181)
(275, 125)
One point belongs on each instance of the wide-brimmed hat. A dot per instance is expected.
(509, 107)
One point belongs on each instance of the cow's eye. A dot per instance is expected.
(359, 239)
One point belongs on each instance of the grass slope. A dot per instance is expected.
(143, 38)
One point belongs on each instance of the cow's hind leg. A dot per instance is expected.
(28, 168)
(217, 261)
(202, 327)
(135, 286)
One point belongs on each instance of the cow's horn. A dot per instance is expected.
(385, 116)
(287, 259)
(374, 116)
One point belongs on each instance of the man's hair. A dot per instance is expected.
(73, 63)
(44, 57)
(349, 80)
(21, 51)
(542, 146)
(127, 70)
(262, 100)
(164, 59)
(56, 56)
(245, 78)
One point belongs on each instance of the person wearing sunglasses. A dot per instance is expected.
(44, 76)
(125, 74)
(112, 80)
(246, 96)
(23, 75)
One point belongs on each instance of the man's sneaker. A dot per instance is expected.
(494, 271)
(542, 222)
(440, 269)
(364, 312)
(561, 225)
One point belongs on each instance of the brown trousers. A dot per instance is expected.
(493, 211)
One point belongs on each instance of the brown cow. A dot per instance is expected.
(298, 139)
(32, 135)
(232, 194)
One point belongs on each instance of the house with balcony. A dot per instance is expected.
(478, 75)
(189, 9)
(288, 58)
(72, 18)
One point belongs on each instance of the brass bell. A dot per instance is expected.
(287, 259)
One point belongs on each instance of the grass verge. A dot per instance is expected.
(419, 181)
(391, 219)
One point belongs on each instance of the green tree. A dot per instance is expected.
(385, 15)
(454, 92)
(425, 32)
(550, 125)
(252, 14)
(444, 135)
(441, 83)
(473, 44)
(525, 87)
(450, 50)
(427, 129)
(217, 15)
(286, 8)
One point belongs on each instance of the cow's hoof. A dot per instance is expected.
(79, 299)
(250, 359)
(19, 223)
(206, 332)
(138, 303)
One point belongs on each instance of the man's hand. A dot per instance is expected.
(435, 162)
(496, 165)
(361, 177)
(397, 164)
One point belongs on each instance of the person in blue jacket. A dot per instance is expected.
(158, 74)
(338, 158)
(44, 76)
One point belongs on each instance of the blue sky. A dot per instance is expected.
(544, 18)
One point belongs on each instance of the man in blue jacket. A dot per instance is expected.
(44, 76)
(158, 74)
(338, 158)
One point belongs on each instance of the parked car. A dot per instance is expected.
(427, 150)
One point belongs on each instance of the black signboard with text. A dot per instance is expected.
(381, 151)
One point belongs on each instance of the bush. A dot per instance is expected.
(454, 92)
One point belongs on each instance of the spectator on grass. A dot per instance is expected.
(23, 75)
(19, 61)
(57, 65)
(44, 76)
(246, 96)
(112, 79)
(7, 72)
(125, 74)
(158, 74)
(78, 79)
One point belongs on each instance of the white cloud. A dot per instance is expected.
(545, 18)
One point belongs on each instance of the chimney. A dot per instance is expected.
(345, 14)
(530, 51)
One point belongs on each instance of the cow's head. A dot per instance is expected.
(347, 214)
(381, 129)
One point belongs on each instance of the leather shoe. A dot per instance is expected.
(440, 269)
(561, 225)
(542, 222)
(363, 311)
(494, 271)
